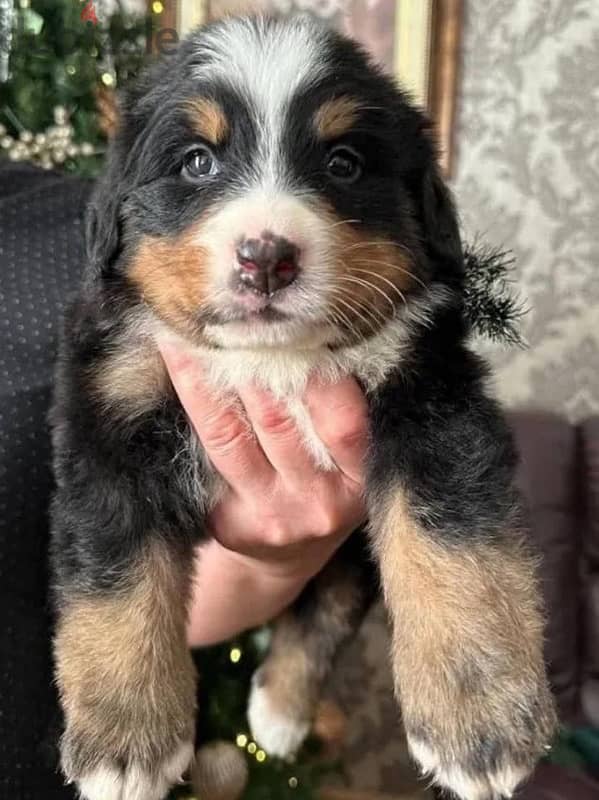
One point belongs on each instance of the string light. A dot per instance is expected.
(252, 747)
(293, 782)
(235, 655)
(260, 756)
(241, 740)
(107, 79)
(157, 7)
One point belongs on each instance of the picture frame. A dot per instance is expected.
(418, 41)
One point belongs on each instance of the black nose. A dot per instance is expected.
(268, 263)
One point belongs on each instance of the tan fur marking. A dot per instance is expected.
(467, 637)
(208, 119)
(132, 378)
(336, 117)
(170, 273)
(288, 673)
(124, 671)
(300, 658)
(373, 276)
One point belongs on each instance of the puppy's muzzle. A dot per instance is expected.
(266, 264)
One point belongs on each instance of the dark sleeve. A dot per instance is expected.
(40, 262)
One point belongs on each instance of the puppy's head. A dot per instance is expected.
(270, 187)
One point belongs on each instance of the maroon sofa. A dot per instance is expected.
(560, 478)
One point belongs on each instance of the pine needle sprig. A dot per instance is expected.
(492, 306)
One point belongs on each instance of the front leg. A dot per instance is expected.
(460, 586)
(126, 678)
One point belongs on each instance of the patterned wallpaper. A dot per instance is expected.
(527, 178)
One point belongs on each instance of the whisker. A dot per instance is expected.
(339, 317)
(379, 243)
(339, 298)
(382, 278)
(343, 222)
(374, 321)
(345, 276)
(397, 267)
(368, 285)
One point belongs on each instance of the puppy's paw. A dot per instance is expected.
(466, 780)
(281, 732)
(280, 711)
(483, 751)
(134, 781)
(127, 687)
(133, 755)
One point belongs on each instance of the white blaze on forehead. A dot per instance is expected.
(267, 63)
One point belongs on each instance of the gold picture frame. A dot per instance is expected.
(417, 40)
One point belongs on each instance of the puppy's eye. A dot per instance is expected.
(199, 162)
(344, 164)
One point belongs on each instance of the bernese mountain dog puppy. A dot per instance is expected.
(272, 201)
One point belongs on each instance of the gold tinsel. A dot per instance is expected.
(220, 772)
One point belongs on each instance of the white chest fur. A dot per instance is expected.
(285, 372)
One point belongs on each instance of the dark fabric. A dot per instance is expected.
(589, 436)
(40, 260)
(559, 474)
(556, 783)
(549, 480)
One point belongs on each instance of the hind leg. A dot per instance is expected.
(305, 641)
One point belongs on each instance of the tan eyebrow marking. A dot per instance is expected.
(208, 119)
(336, 117)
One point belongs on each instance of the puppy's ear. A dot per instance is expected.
(135, 107)
(103, 217)
(102, 224)
(439, 222)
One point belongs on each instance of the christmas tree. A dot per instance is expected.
(62, 61)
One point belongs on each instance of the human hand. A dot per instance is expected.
(281, 517)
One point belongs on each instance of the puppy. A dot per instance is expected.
(273, 202)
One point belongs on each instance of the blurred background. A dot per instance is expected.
(513, 86)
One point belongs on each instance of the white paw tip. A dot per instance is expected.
(102, 782)
(108, 783)
(179, 763)
(494, 785)
(278, 734)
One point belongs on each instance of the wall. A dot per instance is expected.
(527, 176)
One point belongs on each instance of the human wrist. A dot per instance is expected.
(233, 592)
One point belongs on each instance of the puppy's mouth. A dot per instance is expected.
(254, 309)
(290, 317)
(249, 304)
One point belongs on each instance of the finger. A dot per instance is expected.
(278, 434)
(339, 414)
(220, 425)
